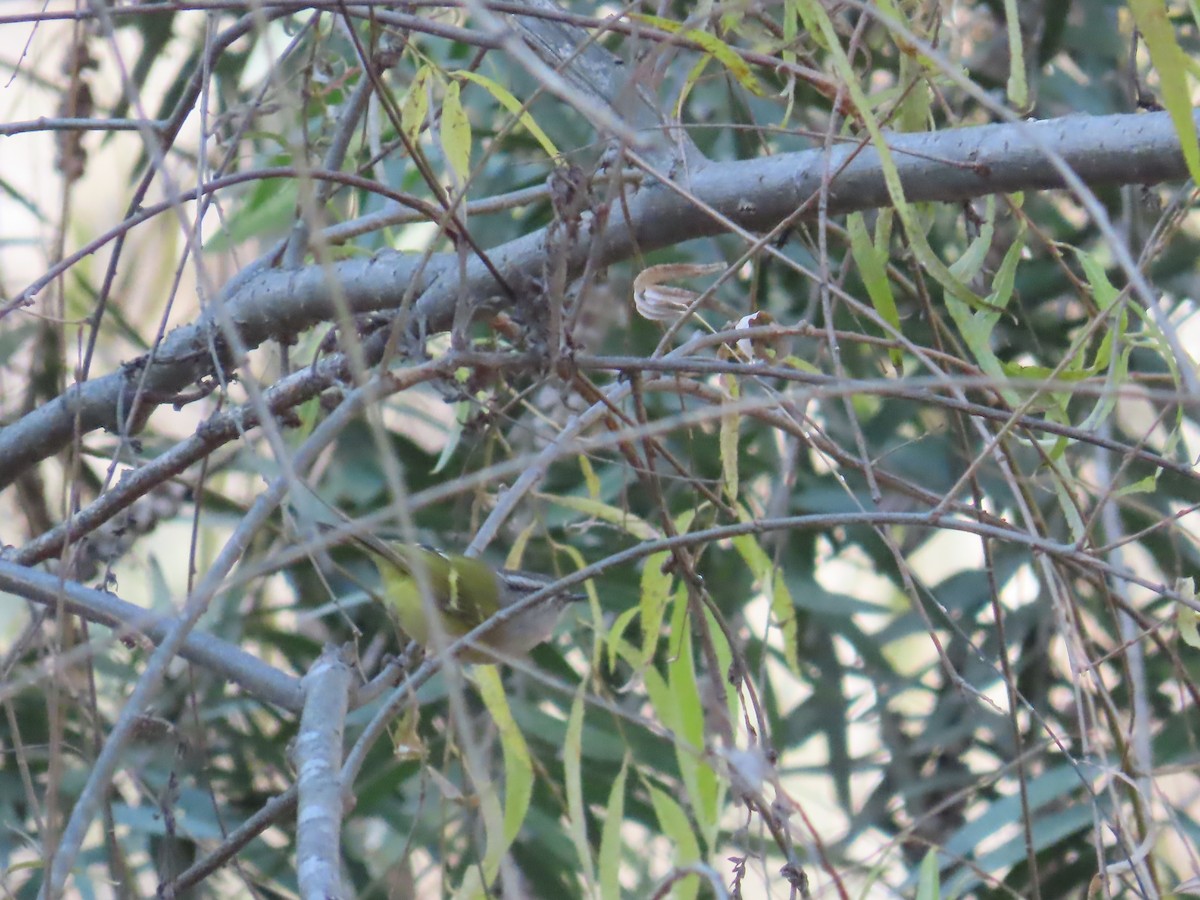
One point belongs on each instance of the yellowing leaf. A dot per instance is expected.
(721, 51)
(514, 106)
(589, 477)
(1187, 617)
(688, 83)
(655, 594)
(731, 424)
(456, 132)
(416, 105)
(635, 527)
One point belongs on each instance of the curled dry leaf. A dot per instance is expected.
(659, 302)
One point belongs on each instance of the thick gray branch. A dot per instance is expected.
(756, 195)
(318, 764)
(218, 657)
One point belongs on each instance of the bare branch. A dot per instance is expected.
(755, 194)
(218, 657)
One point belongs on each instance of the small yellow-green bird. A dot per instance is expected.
(465, 592)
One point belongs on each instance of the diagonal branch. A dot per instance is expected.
(756, 195)
(217, 656)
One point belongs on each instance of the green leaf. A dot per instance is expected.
(690, 730)
(929, 884)
(721, 51)
(674, 824)
(783, 608)
(462, 412)
(514, 106)
(1187, 627)
(976, 327)
(971, 262)
(872, 268)
(655, 595)
(1018, 86)
(518, 769)
(688, 83)
(913, 227)
(573, 774)
(617, 645)
(1172, 65)
(610, 835)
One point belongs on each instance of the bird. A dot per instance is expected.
(465, 592)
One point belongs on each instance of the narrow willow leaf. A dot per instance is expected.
(516, 551)
(724, 663)
(688, 83)
(913, 114)
(721, 51)
(621, 518)
(456, 132)
(416, 105)
(518, 769)
(573, 776)
(976, 327)
(655, 595)
(1116, 335)
(704, 786)
(660, 698)
(731, 424)
(616, 643)
(590, 479)
(674, 824)
(1102, 289)
(1187, 617)
(913, 228)
(610, 837)
(929, 885)
(810, 14)
(462, 411)
(1018, 86)
(872, 268)
(970, 264)
(783, 607)
(698, 778)
(493, 829)
(1145, 485)
(791, 30)
(514, 106)
(1172, 65)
